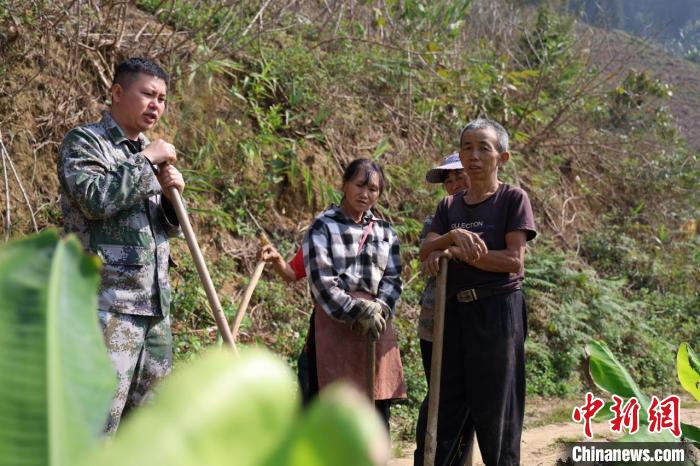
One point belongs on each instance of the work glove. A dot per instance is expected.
(371, 318)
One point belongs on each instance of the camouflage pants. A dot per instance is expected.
(141, 350)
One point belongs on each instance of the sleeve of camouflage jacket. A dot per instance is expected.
(170, 220)
(99, 187)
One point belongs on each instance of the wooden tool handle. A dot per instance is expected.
(371, 366)
(201, 266)
(246, 298)
(436, 366)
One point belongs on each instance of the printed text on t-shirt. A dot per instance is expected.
(467, 226)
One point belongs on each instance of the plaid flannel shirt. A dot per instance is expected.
(334, 267)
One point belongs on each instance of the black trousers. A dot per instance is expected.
(306, 366)
(483, 377)
(463, 442)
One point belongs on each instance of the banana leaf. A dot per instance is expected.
(688, 367)
(56, 380)
(611, 376)
(221, 410)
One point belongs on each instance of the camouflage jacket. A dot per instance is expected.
(111, 199)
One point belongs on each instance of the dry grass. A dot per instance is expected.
(682, 74)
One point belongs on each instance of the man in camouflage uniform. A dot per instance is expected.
(120, 209)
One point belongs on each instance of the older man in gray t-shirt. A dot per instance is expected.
(483, 374)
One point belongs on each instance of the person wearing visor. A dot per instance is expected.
(453, 178)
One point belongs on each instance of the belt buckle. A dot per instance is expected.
(467, 296)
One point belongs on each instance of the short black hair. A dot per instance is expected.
(485, 123)
(366, 167)
(125, 72)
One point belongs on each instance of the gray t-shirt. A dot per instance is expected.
(508, 209)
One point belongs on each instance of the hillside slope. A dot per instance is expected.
(270, 100)
(682, 75)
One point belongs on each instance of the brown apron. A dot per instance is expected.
(341, 354)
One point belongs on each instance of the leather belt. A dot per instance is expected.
(474, 294)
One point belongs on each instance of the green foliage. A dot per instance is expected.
(569, 302)
(200, 406)
(634, 94)
(189, 309)
(661, 275)
(691, 433)
(549, 41)
(688, 367)
(610, 375)
(339, 428)
(273, 148)
(265, 114)
(434, 18)
(201, 17)
(61, 385)
(57, 379)
(288, 318)
(223, 408)
(403, 413)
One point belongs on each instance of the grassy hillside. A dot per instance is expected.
(271, 99)
(682, 75)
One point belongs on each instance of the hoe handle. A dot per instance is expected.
(436, 366)
(201, 266)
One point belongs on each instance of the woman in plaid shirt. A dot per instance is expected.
(353, 266)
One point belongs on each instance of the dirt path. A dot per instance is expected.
(541, 445)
